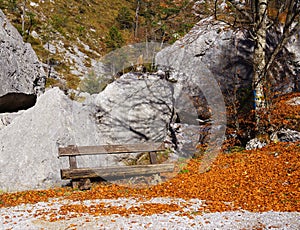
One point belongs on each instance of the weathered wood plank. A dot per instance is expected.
(64, 151)
(72, 162)
(153, 158)
(109, 149)
(116, 171)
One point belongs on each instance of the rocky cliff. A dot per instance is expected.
(227, 53)
(22, 77)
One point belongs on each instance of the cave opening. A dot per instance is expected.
(13, 102)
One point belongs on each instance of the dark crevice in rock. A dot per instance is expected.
(13, 102)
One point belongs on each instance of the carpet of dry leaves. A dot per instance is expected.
(257, 180)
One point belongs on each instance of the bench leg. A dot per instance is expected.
(75, 184)
(81, 184)
(153, 158)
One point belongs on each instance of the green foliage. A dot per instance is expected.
(182, 164)
(183, 171)
(59, 22)
(80, 30)
(114, 39)
(235, 149)
(12, 5)
(165, 19)
(94, 84)
(124, 18)
(51, 82)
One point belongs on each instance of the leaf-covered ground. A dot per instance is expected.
(262, 180)
(257, 180)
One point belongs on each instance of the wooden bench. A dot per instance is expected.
(81, 176)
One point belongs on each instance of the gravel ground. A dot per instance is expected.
(37, 216)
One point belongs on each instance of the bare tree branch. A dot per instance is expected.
(241, 9)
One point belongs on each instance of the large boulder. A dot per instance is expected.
(141, 107)
(214, 59)
(135, 108)
(228, 56)
(21, 76)
(29, 141)
(211, 43)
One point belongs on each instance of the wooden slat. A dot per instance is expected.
(153, 158)
(116, 171)
(73, 162)
(110, 149)
(64, 151)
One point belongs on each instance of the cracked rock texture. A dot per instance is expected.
(22, 76)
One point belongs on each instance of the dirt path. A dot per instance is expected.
(175, 214)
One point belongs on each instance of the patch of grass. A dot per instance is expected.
(235, 149)
(184, 171)
(51, 82)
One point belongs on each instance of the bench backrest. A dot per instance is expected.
(75, 173)
(73, 150)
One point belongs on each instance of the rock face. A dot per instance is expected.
(212, 44)
(29, 143)
(21, 76)
(135, 108)
(150, 107)
(7, 118)
(227, 54)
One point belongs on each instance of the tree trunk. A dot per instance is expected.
(23, 17)
(137, 11)
(259, 60)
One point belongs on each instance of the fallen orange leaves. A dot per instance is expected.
(257, 180)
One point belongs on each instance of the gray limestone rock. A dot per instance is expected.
(29, 143)
(7, 118)
(146, 107)
(285, 135)
(255, 143)
(135, 108)
(21, 76)
(228, 56)
(213, 59)
(294, 101)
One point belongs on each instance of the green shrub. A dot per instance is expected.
(114, 39)
(12, 5)
(124, 19)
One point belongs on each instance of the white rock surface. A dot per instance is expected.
(285, 135)
(135, 108)
(294, 101)
(20, 67)
(255, 143)
(29, 144)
